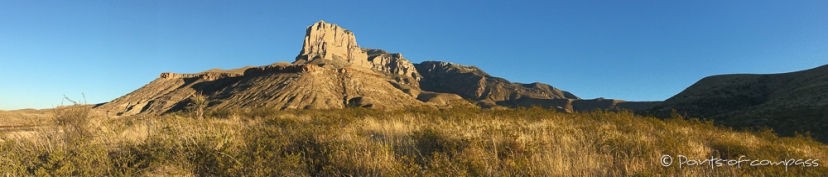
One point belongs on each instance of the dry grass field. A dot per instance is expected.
(413, 142)
(24, 117)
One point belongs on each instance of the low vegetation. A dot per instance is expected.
(413, 142)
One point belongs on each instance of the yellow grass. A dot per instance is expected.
(414, 142)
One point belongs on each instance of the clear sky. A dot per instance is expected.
(631, 50)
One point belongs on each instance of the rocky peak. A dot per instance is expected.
(330, 42)
(326, 41)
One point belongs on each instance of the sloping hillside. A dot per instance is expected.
(787, 102)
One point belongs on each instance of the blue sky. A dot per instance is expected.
(631, 50)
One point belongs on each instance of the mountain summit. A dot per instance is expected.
(333, 72)
(331, 42)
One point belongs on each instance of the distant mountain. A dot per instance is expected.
(787, 102)
(473, 83)
(333, 72)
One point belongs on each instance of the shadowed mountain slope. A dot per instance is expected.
(471, 82)
(787, 102)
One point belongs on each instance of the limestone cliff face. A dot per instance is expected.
(329, 42)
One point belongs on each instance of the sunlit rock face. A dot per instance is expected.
(334, 44)
(330, 42)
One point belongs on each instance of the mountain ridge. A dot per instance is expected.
(332, 72)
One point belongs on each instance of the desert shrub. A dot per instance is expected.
(196, 105)
(74, 121)
(42, 156)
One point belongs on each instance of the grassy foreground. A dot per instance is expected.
(414, 142)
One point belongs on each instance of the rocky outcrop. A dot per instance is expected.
(787, 102)
(392, 63)
(333, 44)
(277, 68)
(330, 42)
(211, 76)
